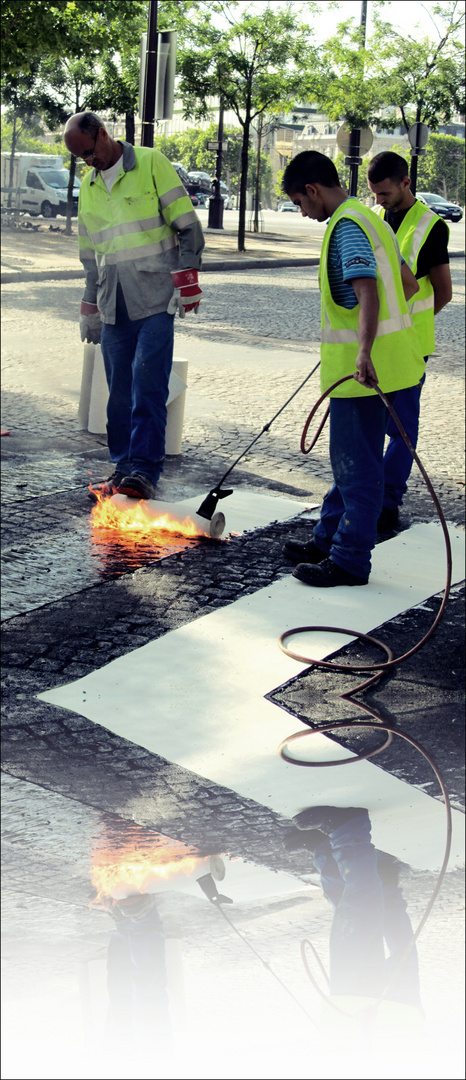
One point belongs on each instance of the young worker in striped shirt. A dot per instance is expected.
(366, 332)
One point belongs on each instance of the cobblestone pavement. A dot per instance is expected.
(72, 605)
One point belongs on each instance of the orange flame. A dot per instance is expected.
(132, 868)
(134, 519)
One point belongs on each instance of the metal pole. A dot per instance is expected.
(150, 80)
(413, 173)
(355, 161)
(216, 202)
(355, 134)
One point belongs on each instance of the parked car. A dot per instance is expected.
(286, 205)
(447, 210)
(201, 180)
(191, 188)
(202, 198)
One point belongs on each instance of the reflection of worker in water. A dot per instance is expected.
(136, 974)
(362, 886)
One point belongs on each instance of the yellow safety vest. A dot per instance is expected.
(396, 354)
(411, 235)
(130, 235)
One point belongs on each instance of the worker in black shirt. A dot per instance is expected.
(423, 239)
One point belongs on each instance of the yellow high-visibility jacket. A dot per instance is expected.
(136, 234)
(411, 235)
(396, 354)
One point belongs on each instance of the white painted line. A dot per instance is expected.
(196, 695)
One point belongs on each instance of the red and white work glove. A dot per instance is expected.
(90, 323)
(187, 294)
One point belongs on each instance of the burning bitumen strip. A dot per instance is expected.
(150, 517)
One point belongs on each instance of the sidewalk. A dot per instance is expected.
(44, 252)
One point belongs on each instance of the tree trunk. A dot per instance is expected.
(243, 183)
(129, 127)
(258, 178)
(69, 204)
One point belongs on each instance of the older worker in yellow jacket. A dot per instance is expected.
(140, 242)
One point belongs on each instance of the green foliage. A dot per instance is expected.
(72, 28)
(28, 140)
(348, 87)
(441, 170)
(278, 189)
(256, 65)
(423, 78)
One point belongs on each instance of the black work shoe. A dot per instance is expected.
(326, 575)
(106, 488)
(326, 818)
(137, 486)
(388, 519)
(303, 553)
(297, 839)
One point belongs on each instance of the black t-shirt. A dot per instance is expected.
(434, 251)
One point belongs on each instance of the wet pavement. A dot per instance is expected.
(74, 601)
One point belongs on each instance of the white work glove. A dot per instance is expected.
(187, 294)
(90, 323)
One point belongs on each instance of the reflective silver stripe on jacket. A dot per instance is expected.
(142, 252)
(387, 326)
(422, 305)
(383, 265)
(172, 195)
(419, 236)
(184, 220)
(141, 225)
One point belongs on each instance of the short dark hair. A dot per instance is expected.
(89, 123)
(309, 167)
(387, 166)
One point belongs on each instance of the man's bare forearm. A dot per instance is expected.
(366, 292)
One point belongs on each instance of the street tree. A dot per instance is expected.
(349, 87)
(255, 63)
(22, 112)
(441, 170)
(423, 78)
(36, 28)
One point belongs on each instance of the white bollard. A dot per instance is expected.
(175, 406)
(92, 409)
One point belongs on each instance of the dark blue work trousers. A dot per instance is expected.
(367, 911)
(347, 529)
(398, 460)
(138, 356)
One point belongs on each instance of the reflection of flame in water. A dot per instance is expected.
(137, 864)
(134, 519)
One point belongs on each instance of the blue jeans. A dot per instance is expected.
(138, 357)
(347, 529)
(398, 460)
(366, 911)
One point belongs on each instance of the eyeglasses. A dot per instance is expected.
(89, 153)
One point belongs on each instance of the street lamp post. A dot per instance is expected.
(150, 80)
(216, 202)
